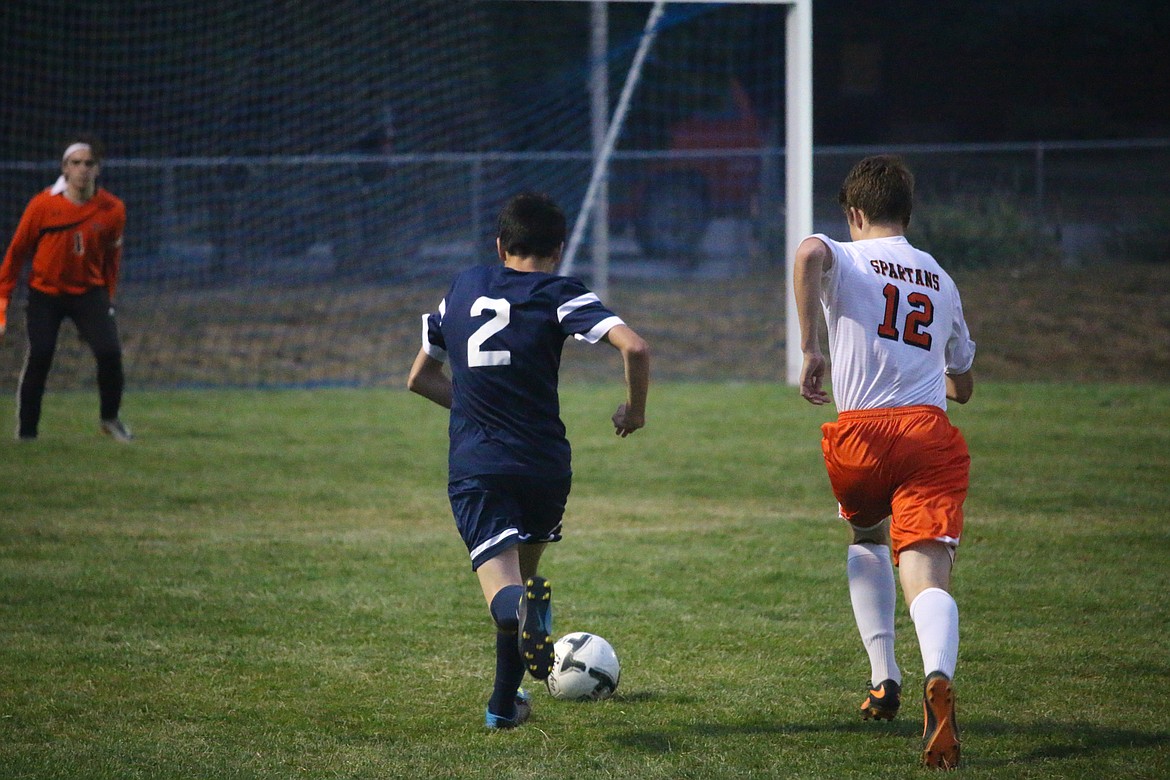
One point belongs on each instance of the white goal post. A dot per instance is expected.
(798, 150)
(396, 131)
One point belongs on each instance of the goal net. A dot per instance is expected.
(302, 179)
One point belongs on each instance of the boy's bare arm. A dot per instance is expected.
(428, 380)
(813, 258)
(631, 415)
(960, 387)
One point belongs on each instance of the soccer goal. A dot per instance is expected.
(676, 228)
(301, 178)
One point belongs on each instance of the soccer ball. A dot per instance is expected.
(585, 668)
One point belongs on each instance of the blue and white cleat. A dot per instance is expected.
(535, 635)
(523, 712)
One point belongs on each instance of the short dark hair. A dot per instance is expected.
(882, 187)
(531, 225)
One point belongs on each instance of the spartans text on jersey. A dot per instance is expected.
(912, 275)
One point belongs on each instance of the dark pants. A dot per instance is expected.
(94, 318)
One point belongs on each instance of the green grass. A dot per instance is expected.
(269, 584)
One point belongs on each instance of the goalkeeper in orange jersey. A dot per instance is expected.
(72, 231)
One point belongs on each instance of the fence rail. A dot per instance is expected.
(378, 214)
(303, 270)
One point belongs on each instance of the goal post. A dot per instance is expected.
(604, 151)
(798, 152)
(300, 182)
(798, 166)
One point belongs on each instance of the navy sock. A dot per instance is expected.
(505, 605)
(509, 673)
(509, 664)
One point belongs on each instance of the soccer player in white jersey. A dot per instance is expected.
(898, 468)
(501, 329)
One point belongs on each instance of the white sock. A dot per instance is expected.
(936, 619)
(874, 596)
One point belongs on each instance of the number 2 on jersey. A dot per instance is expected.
(501, 315)
(918, 319)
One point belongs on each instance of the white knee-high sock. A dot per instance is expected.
(936, 620)
(873, 594)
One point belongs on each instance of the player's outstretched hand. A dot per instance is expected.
(625, 423)
(812, 377)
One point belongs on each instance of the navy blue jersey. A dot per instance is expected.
(502, 332)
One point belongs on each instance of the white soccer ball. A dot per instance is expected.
(585, 668)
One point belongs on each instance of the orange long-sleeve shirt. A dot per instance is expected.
(73, 247)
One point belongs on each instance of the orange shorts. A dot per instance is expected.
(909, 463)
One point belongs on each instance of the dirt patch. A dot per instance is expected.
(1107, 323)
(1104, 323)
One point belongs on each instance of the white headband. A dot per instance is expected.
(74, 148)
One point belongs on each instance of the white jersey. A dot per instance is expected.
(895, 325)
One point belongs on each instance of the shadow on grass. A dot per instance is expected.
(1043, 741)
(663, 740)
(1064, 741)
(642, 697)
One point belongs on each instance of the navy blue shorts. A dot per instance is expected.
(496, 511)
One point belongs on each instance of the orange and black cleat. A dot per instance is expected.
(883, 701)
(939, 731)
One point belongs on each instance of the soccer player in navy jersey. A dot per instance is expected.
(501, 328)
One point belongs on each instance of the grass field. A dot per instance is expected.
(269, 585)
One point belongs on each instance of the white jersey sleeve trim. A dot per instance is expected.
(598, 331)
(568, 307)
(432, 350)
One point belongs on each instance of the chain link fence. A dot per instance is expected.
(230, 281)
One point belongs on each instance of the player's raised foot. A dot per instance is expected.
(117, 430)
(883, 701)
(523, 712)
(941, 734)
(535, 636)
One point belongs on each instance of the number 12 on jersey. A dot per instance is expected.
(920, 316)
